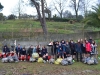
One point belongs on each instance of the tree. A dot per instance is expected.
(41, 15)
(86, 7)
(59, 6)
(76, 5)
(1, 7)
(11, 17)
(1, 16)
(67, 14)
(48, 12)
(19, 8)
(93, 18)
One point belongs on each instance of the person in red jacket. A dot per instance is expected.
(88, 48)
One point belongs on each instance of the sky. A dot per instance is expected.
(10, 4)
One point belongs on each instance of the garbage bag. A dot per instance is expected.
(51, 61)
(32, 59)
(4, 60)
(40, 60)
(64, 62)
(35, 55)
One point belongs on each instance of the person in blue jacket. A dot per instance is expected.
(34, 49)
(60, 51)
(63, 45)
(18, 50)
(78, 51)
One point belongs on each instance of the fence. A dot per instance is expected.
(26, 39)
(26, 36)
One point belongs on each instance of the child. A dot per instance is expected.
(18, 50)
(44, 53)
(88, 49)
(23, 54)
(60, 51)
(94, 50)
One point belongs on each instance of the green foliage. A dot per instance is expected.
(52, 26)
(57, 19)
(2, 17)
(93, 18)
(80, 18)
(1, 7)
(11, 17)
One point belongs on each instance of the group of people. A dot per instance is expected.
(61, 49)
(79, 49)
(22, 51)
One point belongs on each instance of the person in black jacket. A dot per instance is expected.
(72, 47)
(23, 51)
(67, 50)
(6, 50)
(78, 51)
(44, 53)
(90, 40)
(30, 51)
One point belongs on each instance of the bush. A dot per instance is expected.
(11, 17)
(57, 19)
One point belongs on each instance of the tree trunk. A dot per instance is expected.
(43, 19)
(76, 12)
(41, 16)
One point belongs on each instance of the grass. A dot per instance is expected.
(53, 27)
(35, 68)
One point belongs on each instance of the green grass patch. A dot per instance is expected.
(53, 27)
